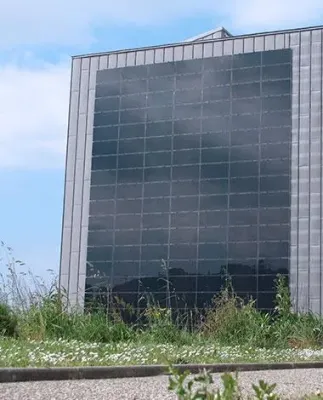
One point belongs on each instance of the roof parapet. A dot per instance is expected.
(217, 33)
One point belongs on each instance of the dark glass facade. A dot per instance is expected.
(190, 179)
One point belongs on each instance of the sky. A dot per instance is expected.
(37, 39)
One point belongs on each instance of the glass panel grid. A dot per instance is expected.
(191, 176)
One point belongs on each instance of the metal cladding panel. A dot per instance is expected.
(82, 81)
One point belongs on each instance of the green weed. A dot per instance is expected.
(199, 387)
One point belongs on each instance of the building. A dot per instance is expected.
(189, 161)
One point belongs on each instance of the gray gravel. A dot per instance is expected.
(292, 384)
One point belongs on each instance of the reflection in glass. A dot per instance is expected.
(127, 237)
(190, 180)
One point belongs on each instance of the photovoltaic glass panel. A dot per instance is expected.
(190, 179)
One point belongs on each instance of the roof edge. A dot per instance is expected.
(96, 54)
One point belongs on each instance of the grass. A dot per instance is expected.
(37, 330)
(56, 353)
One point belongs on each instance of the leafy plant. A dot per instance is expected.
(231, 389)
(188, 389)
(264, 391)
(198, 387)
(283, 298)
(195, 388)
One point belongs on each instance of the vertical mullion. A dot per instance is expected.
(115, 197)
(142, 195)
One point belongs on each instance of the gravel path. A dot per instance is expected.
(292, 384)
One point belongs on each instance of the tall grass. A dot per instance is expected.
(233, 321)
(19, 287)
(32, 309)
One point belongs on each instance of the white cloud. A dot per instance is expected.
(33, 115)
(253, 15)
(73, 22)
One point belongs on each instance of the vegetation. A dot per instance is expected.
(37, 329)
(8, 321)
(201, 387)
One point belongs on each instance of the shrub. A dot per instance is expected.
(161, 328)
(233, 321)
(8, 321)
(53, 320)
(283, 302)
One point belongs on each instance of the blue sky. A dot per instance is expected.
(36, 41)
